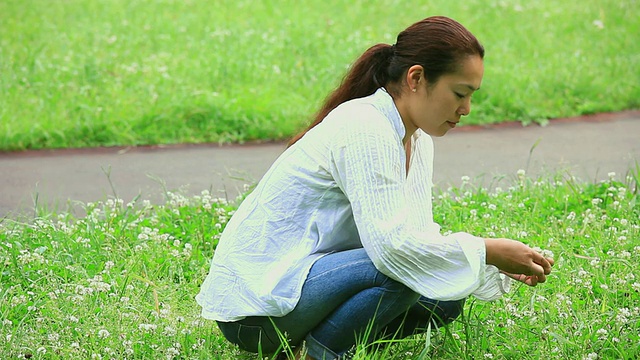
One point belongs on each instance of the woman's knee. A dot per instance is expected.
(249, 337)
(398, 289)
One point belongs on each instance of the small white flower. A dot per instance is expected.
(103, 334)
(147, 327)
(591, 356)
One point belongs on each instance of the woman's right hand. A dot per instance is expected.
(514, 257)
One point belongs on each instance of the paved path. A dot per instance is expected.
(587, 147)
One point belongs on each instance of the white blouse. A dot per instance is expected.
(344, 185)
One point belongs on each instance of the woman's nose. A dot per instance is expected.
(465, 108)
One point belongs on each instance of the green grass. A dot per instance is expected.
(120, 282)
(84, 73)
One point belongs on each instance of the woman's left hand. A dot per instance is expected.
(531, 280)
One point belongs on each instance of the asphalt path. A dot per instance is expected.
(588, 148)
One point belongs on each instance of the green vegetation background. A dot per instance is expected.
(84, 73)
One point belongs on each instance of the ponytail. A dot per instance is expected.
(436, 43)
(368, 73)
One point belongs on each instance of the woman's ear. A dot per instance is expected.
(414, 77)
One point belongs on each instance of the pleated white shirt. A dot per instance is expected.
(344, 185)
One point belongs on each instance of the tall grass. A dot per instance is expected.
(120, 282)
(81, 73)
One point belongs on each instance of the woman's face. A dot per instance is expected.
(437, 108)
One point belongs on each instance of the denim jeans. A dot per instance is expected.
(343, 298)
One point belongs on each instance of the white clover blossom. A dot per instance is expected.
(147, 327)
(591, 356)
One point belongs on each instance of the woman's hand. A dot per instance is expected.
(530, 280)
(518, 261)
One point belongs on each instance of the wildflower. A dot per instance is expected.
(147, 327)
(103, 334)
(623, 316)
(169, 331)
(591, 356)
(602, 334)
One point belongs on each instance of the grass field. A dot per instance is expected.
(120, 282)
(84, 73)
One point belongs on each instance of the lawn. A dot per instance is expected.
(120, 282)
(85, 73)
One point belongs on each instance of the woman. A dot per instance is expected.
(337, 241)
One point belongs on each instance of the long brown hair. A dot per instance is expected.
(436, 43)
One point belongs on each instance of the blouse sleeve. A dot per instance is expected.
(368, 165)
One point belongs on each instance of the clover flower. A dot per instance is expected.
(103, 333)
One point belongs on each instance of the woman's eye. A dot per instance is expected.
(459, 95)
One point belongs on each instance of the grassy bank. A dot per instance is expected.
(84, 73)
(120, 282)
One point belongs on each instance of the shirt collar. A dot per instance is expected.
(384, 103)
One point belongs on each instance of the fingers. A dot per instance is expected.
(544, 263)
(538, 270)
(528, 280)
(541, 279)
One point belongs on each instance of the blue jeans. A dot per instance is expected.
(343, 298)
